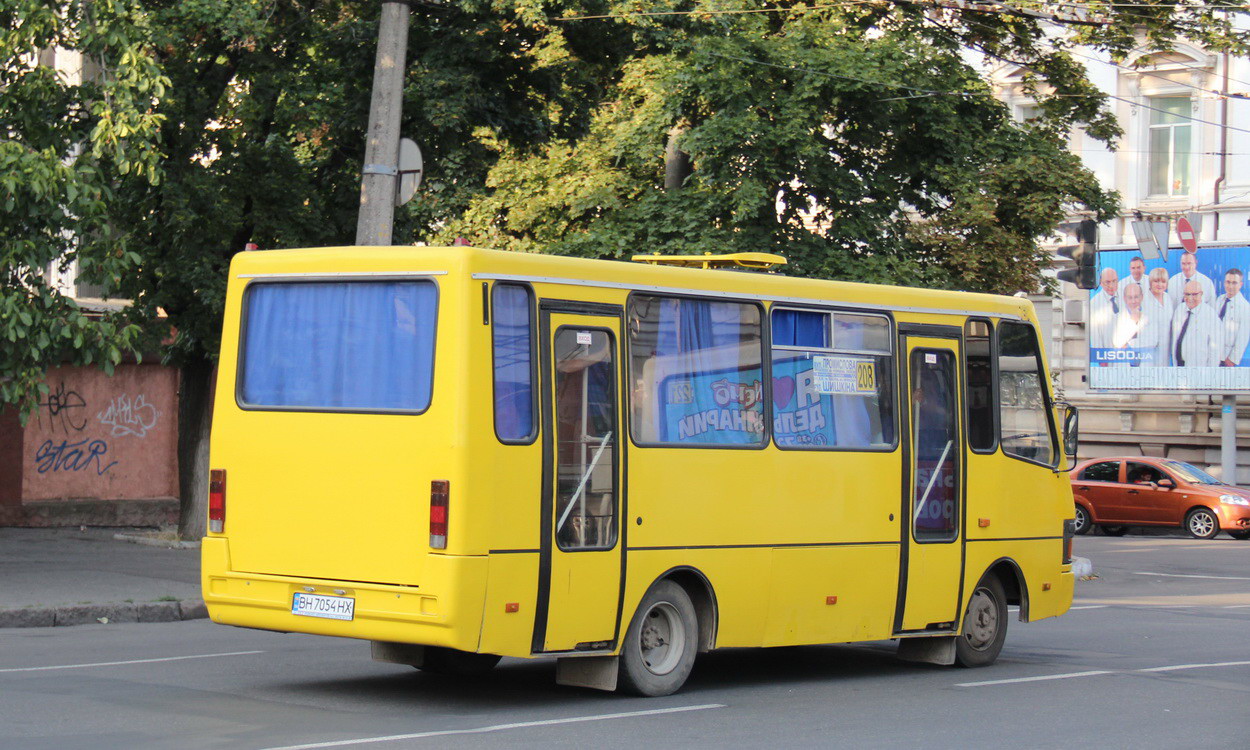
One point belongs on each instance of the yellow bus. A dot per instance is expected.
(460, 454)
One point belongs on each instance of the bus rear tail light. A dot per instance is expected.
(440, 491)
(217, 500)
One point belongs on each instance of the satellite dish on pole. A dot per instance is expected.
(410, 167)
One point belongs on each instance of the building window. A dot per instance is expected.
(1171, 143)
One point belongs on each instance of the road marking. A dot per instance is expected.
(1195, 666)
(1096, 672)
(1090, 606)
(1182, 575)
(1236, 606)
(1039, 678)
(132, 661)
(501, 727)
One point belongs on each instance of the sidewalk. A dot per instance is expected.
(75, 577)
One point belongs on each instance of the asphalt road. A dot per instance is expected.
(1155, 654)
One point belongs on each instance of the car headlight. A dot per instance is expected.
(1233, 500)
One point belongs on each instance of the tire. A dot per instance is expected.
(1114, 530)
(1239, 534)
(985, 625)
(1083, 523)
(1202, 523)
(452, 663)
(661, 642)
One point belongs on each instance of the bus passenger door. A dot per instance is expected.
(929, 582)
(581, 553)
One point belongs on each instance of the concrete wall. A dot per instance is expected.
(99, 450)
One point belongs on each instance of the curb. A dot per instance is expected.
(150, 542)
(91, 614)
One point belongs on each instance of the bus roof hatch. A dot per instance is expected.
(751, 261)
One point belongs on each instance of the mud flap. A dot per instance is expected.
(398, 653)
(598, 672)
(928, 650)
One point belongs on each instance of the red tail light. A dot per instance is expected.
(216, 500)
(440, 491)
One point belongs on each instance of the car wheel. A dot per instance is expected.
(1082, 524)
(660, 644)
(1114, 530)
(1239, 534)
(1202, 523)
(453, 663)
(985, 625)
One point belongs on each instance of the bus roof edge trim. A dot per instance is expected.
(866, 307)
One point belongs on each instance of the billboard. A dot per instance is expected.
(1177, 325)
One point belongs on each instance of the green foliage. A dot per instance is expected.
(65, 142)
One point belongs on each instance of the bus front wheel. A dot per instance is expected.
(660, 645)
(985, 625)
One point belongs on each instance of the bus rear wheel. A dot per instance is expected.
(985, 625)
(453, 663)
(661, 642)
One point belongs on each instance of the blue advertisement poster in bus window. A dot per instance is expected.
(720, 407)
(1179, 324)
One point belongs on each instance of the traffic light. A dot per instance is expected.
(1085, 254)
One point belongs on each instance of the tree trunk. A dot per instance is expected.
(194, 420)
(677, 166)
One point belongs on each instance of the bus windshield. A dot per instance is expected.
(339, 346)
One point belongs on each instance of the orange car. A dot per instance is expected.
(1116, 493)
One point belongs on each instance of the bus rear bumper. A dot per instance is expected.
(381, 612)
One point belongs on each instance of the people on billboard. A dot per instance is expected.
(1104, 307)
(1189, 272)
(1136, 277)
(1196, 333)
(1233, 311)
(1158, 305)
(1137, 330)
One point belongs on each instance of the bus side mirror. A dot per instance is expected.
(1071, 433)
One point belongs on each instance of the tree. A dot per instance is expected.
(64, 146)
(857, 140)
(263, 135)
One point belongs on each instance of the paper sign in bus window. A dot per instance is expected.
(844, 375)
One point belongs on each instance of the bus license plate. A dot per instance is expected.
(317, 605)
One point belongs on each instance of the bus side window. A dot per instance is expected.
(979, 377)
(695, 369)
(513, 351)
(1025, 425)
(831, 380)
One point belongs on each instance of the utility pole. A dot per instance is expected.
(381, 169)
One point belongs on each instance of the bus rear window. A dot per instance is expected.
(330, 346)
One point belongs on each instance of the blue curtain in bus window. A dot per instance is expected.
(709, 373)
(514, 400)
(340, 345)
(800, 328)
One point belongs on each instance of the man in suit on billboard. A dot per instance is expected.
(1189, 272)
(1104, 307)
(1197, 336)
(1136, 277)
(1233, 311)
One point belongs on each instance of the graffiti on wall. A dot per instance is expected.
(65, 408)
(66, 456)
(127, 416)
(66, 412)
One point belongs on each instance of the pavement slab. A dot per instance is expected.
(84, 576)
